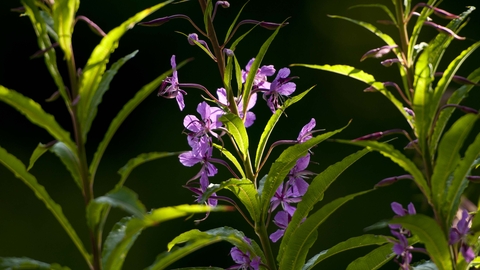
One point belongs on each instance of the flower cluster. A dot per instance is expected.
(458, 234)
(401, 248)
(244, 260)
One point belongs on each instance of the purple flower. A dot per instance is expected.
(250, 117)
(400, 211)
(279, 88)
(282, 218)
(260, 80)
(403, 250)
(201, 153)
(243, 260)
(170, 87)
(298, 174)
(284, 196)
(306, 132)
(459, 233)
(208, 123)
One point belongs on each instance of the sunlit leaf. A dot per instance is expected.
(236, 128)
(374, 259)
(27, 263)
(64, 18)
(230, 157)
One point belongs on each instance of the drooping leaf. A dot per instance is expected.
(429, 233)
(236, 128)
(94, 69)
(19, 170)
(374, 259)
(104, 86)
(34, 112)
(243, 189)
(139, 160)
(64, 18)
(366, 78)
(123, 114)
(315, 193)
(447, 162)
(27, 263)
(299, 244)
(354, 242)
(230, 157)
(125, 232)
(271, 124)
(284, 163)
(396, 156)
(41, 30)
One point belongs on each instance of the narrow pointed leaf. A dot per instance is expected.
(230, 157)
(236, 128)
(34, 112)
(396, 156)
(383, 7)
(125, 199)
(126, 231)
(103, 88)
(230, 29)
(271, 124)
(17, 168)
(374, 259)
(27, 263)
(354, 242)
(447, 162)
(64, 18)
(363, 77)
(429, 233)
(97, 62)
(297, 248)
(284, 163)
(41, 30)
(123, 114)
(315, 194)
(37, 153)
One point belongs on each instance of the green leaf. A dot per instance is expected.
(445, 114)
(315, 194)
(125, 199)
(96, 65)
(383, 7)
(195, 239)
(271, 124)
(41, 30)
(123, 114)
(227, 36)
(126, 231)
(447, 161)
(49, 24)
(17, 168)
(207, 15)
(297, 248)
(354, 242)
(230, 157)
(363, 77)
(374, 259)
(64, 19)
(254, 67)
(236, 128)
(396, 156)
(243, 189)
(429, 233)
(37, 153)
(427, 265)
(34, 112)
(284, 163)
(238, 75)
(27, 263)
(139, 160)
(205, 49)
(104, 86)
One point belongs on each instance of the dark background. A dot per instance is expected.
(28, 229)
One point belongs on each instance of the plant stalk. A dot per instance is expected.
(261, 231)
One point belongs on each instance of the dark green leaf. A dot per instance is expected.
(37, 153)
(374, 259)
(125, 199)
(13, 263)
(236, 128)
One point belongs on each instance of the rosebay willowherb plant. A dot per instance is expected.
(450, 237)
(53, 22)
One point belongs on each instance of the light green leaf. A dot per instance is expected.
(354, 242)
(366, 78)
(447, 162)
(27, 263)
(297, 248)
(396, 156)
(41, 30)
(97, 62)
(374, 259)
(271, 124)
(243, 189)
(123, 114)
(64, 18)
(34, 112)
(230, 157)
(37, 153)
(103, 88)
(315, 194)
(139, 160)
(383, 7)
(429, 233)
(236, 128)
(17, 168)
(284, 163)
(125, 232)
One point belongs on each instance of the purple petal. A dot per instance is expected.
(287, 89)
(462, 224)
(173, 63)
(299, 186)
(467, 253)
(249, 119)
(222, 96)
(251, 102)
(302, 163)
(281, 219)
(398, 209)
(302, 137)
(180, 101)
(283, 73)
(454, 236)
(188, 159)
(289, 209)
(411, 209)
(267, 70)
(192, 123)
(398, 249)
(277, 235)
(204, 110)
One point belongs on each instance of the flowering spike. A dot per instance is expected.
(444, 30)
(378, 52)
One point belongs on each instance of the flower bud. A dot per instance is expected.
(389, 62)
(370, 89)
(191, 38)
(223, 4)
(474, 178)
(411, 145)
(228, 52)
(156, 22)
(378, 52)
(390, 180)
(443, 29)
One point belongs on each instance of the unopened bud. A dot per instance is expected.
(378, 52)
(411, 145)
(156, 22)
(390, 180)
(389, 62)
(223, 4)
(409, 111)
(228, 52)
(370, 89)
(191, 38)
(459, 79)
(474, 178)
(445, 30)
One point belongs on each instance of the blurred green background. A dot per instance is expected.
(28, 229)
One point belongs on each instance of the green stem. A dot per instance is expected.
(261, 231)
(402, 28)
